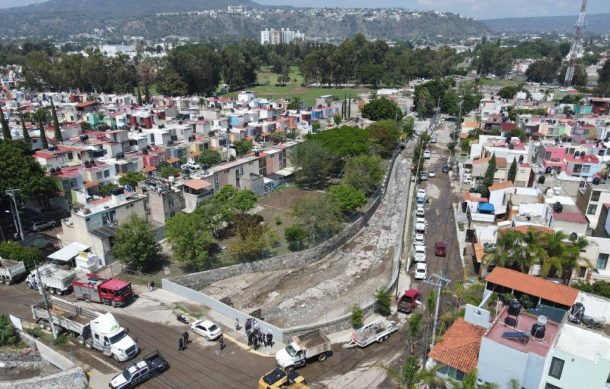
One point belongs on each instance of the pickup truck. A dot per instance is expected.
(278, 378)
(11, 271)
(151, 366)
(409, 301)
(302, 349)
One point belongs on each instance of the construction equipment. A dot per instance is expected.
(11, 271)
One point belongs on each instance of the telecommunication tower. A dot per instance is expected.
(576, 44)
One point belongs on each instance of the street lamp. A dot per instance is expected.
(11, 193)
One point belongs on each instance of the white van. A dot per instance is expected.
(419, 253)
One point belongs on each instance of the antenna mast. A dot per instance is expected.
(576, 44)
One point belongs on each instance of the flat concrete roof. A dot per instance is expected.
(583, 343)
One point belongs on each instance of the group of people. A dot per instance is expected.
(183, 341)
(256, 337)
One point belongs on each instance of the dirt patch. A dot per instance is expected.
(350, 275)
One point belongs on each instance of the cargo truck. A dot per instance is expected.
(11, 271)
(92, 329)
(53, 279)
(303, 349)
(109, 291)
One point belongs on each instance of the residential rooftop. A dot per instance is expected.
(583, 343)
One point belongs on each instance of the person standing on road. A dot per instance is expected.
(221, 342)
(181, 344)
(185, 336)
(264, 336)
(270, 339)
(237, 324)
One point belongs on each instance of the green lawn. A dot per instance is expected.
(266, 77)
(307, 94)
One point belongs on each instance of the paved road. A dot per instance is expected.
(202, 365)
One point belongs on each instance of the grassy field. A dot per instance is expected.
(306, 94)
(266, 77)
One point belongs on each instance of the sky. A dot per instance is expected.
(478, 9)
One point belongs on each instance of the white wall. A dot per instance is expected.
(595, 306)
(577, 372)
(498, 364)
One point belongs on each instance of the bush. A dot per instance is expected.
(383, 301)
(296, 237)
(278, 221)
(8, 333)
(61, 340)
(357, 316)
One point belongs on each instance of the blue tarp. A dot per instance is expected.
(486, 208)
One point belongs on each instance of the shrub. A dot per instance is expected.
(383, 301)
(296, 237)
(8, 333)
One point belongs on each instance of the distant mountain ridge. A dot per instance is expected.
(113, 19)
(596, 24)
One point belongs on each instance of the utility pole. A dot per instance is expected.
(43, 292)
(439, 282)
(11, 193)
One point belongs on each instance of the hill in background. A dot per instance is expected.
(596, 24)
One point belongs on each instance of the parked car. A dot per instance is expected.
(43, 225)
(440, 249)
(433, 139)
(420, 227)
(421, 271)
(427, 154)
(421, 193)
(207, 329)
(419, 240)
(420, 201)
(445, 168)
(431, 173)
(419, 253)
(420, 220)
(423, 176)
(420, 212)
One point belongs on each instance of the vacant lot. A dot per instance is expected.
(306, 94)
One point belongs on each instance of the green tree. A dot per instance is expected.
(349, 198)
(106, 189)
(601, 288)
(169, 83)
(24, 129)
(254, 239)
(238, 67)
(135, 244)
(383, 301)
(139, 96)
(191, 239)
(167, 170)
(198, 66)
(414, 329)
(6, 131)
(315, 125)
(312, 161)
(131, 178)
(512, 171)
(363, 172)
(545, 70)
(296, 237)
(386, 135)
(508, 92)
(242, 147)
(295, 103)
(343, 142)
(409, 126)
(381, 108)
(337, 119)
(488, 179)
(320, 216)
(56, 126)
(357, 316)
(8, 332)
(18, 170)
(41, 116)
(28, 255)
(209, 158)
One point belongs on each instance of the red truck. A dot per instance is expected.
(409, 301)
(109, 291)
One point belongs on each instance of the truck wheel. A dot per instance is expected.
(114, 304)
(41, 324)
(322, 357)
(290, 368)
(29, 285)
(89, 343)
(115, 357)
(80, 339)
(1, 280)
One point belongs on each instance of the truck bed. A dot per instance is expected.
(68, 316)
(311, 339)
(10, 268)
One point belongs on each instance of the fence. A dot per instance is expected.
(183, 286)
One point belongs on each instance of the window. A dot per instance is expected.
(582, 272)
(586, 168)
(549, 386)
(592, 209)
(595, 195)
(98, 175)
(556, 368)
(577, 168)
(106, 173)
(602, 261)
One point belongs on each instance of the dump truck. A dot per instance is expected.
(151, 366)
(53, 278)
(109, 291)
(92, 329)
(303, 349)
(279, 378)
(11, 271)
(409, 300)
(377, 331)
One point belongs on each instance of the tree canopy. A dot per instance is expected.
(135, 244)
(380, 109)
(320, 216)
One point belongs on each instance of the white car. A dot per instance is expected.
(421, 271)
(421, 193)
(467, 180)
(207, 329)
(418, 240)
(420, 227)
(433, 139)
(420, 201)
(431, 173)
(427, 154)
(420, 212)
(43, 225)
(419, 253)
(420, 220)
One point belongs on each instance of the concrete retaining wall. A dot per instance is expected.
(219, 307)
(73, 378)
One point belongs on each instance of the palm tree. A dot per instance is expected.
(414, 329)
(572, 259)
(508, 251)
(409, 375)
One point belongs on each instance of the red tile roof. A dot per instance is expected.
(197, 184)
(459, 347)
(573, 217)
(501, 185)
(534, 286)
(585, 159)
